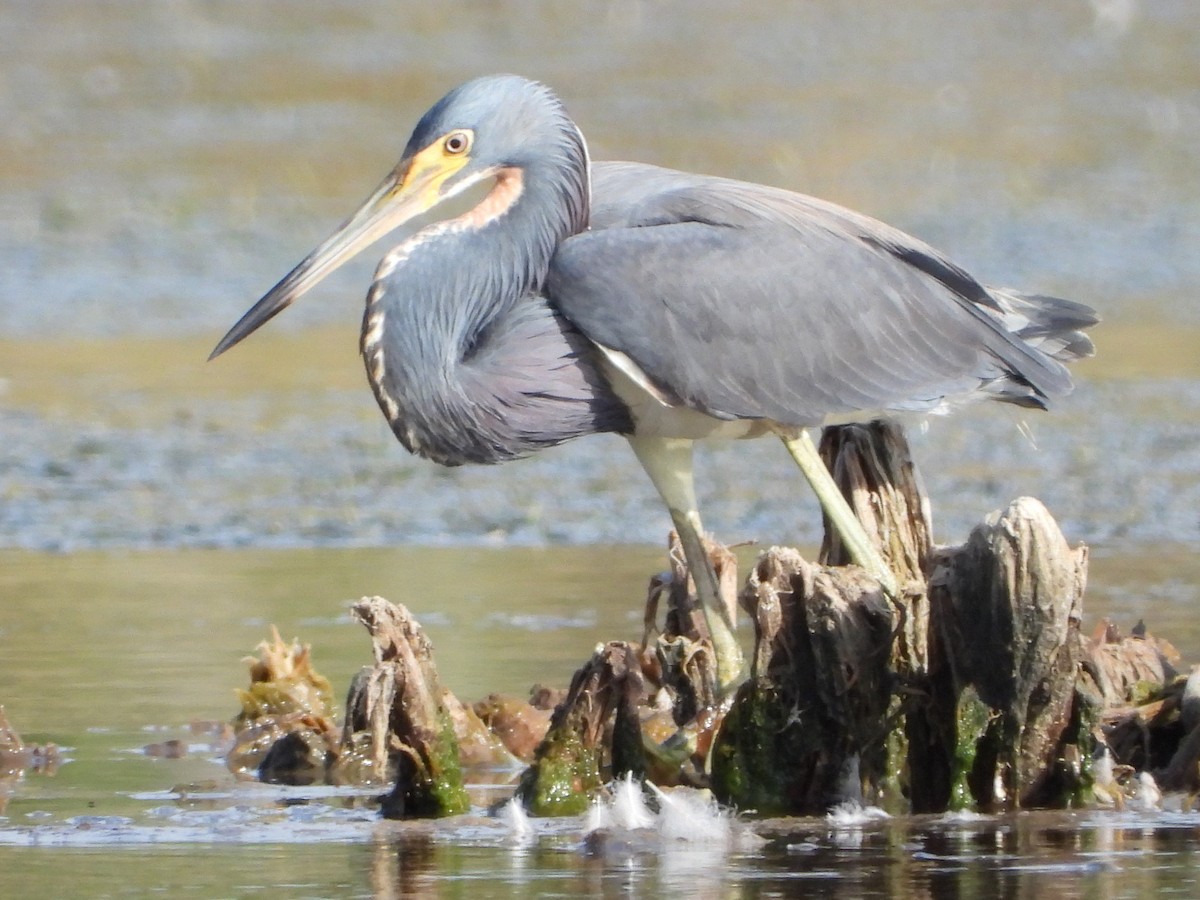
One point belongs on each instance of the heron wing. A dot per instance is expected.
(745, 301)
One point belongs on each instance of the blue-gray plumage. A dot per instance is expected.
(746, 301)
(579, 298)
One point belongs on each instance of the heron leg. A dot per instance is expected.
(841, 516)
(668, 462)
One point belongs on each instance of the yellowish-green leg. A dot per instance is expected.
(841, 516)
(668, 462)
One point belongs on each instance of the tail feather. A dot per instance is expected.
(1049, 324)
(1050, 332)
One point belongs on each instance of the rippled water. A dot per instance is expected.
(162, 166)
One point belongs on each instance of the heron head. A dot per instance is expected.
(479, 130)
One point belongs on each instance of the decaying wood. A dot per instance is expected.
(1119, 665)
(284, 732)
(401, 706)
(683, 658)
(1007, 607)
(568, 766)
(816, 708)
(297, 749)
(648, 710)
(1182, 772)
(18, 758)
(973, 688)
(520, 725)
(874, 468)
(479, 746)
(1152, 728)
(829, 708)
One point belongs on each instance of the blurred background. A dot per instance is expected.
(164, 163)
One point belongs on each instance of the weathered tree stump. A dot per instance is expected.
(874, 468)
(836, 666)
(973, 688)
(649, 711)
(1123, 667)
(1007, 608)
(815, 711)
(683, 658)
(961, 692)
(1182, 772)
(400, 707)
(284, 732)
(520, 725)
(479, 746)
(1149, 721)
(568, 766)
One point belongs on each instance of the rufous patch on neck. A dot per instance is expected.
(510, 182)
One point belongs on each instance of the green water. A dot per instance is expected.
(105, 654)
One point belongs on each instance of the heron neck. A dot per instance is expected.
(465, 273)
(442, 298)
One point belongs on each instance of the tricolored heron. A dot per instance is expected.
(666, 306)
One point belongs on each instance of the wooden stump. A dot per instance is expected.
(647, 711)
(398, 704)
(1007, 607)
(569, 764)
(829, 710)
(874, 468)
(284, 732)
(960, 693)
(811, 724)
(972, 689)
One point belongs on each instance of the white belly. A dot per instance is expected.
(655, 415)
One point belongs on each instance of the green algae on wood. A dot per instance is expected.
(1009, 605)
(564, 776)
(282, 681)
(971, 724)
(568, 766)
(429, 779)
(762, 752)
(401, 704)
(815, 717)
(647, 711)
(284, 731)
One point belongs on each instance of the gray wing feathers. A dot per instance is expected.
(752, 302)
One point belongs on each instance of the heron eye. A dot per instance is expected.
(457, 143)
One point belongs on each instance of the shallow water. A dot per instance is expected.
(161, 168)
(1125, 855)
(107, 654)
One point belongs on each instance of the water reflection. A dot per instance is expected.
(408, 867)
(319, 842)
(1018, 856)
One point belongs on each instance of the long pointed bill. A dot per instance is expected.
(405, 193)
